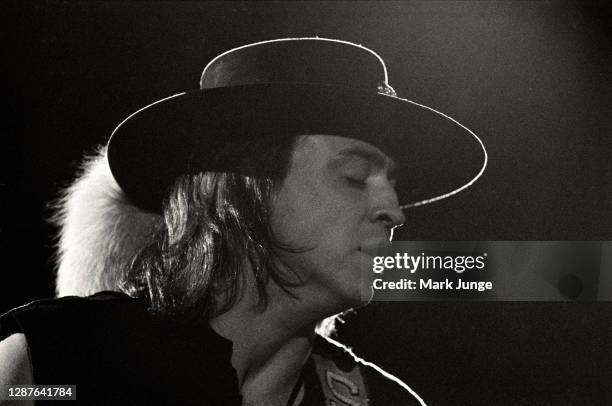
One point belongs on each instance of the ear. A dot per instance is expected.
(100, 230)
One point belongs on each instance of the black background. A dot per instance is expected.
(532, 79)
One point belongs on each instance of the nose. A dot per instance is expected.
(386, 208)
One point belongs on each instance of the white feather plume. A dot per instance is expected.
(99, 231)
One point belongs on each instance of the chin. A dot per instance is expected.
(366, 297)
(361, 296)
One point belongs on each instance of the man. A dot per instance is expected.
(237, 217)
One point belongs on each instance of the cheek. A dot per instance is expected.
(296, 211)
(311, 221)
(327, 231)
(318, 214)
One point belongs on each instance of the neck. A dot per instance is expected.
(270, 346)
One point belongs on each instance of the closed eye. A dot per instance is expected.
(356, 170)
(356, 181)
(356, 166)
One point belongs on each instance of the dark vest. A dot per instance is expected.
(115, 352)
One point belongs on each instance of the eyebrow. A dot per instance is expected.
(373, 156)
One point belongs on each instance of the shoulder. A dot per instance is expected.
(50, 322)
(383, 387)
(60, 335)
(62, 313)
(92, 342)
(116, 351)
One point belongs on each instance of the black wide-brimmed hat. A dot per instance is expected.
(284, 88)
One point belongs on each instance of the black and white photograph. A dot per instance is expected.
(285, 203)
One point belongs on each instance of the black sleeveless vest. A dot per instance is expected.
(116, 353)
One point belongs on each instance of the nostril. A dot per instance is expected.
(385, 218)
(388, 215)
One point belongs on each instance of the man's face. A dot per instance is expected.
(336, 202)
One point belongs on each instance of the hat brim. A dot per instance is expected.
(437, 156)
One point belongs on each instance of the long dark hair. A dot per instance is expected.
(214, 224)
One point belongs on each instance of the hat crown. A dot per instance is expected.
(298, 60)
